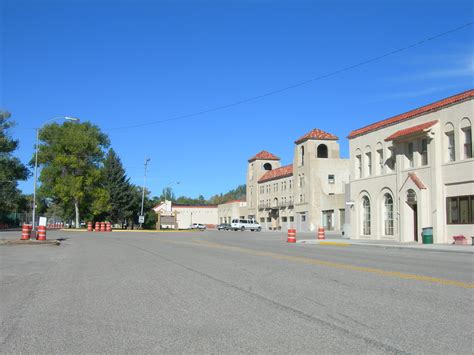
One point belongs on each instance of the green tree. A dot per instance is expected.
(167, 194)
(11, 169)
(71, 155)
(118, 187)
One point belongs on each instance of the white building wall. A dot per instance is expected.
(441, 178)
(185, 216)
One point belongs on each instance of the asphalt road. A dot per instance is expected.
(231, 292)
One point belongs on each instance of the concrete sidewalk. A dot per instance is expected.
(390, 244)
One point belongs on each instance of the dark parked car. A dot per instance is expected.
(224, 227)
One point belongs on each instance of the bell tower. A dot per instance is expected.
(258, 165)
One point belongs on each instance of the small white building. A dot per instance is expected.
(175, 216)
(412, 171)
(228, 211)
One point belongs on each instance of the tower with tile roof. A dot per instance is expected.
(320, 177)
(258, 165)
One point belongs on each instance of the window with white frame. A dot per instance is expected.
(368, 165)
(331, 179)
(388, 214)
(410, 162)
(365, 215)
(380, 162)
(450, 142)
(424, 152)
(466, 137)
(358, 167)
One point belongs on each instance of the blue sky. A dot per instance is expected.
(120, 63)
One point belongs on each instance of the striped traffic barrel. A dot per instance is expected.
(41, 233)
(291, 236)
(25, 232)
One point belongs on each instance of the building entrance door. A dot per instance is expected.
(415, 221)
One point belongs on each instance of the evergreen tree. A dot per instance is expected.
(11, 169)
(117, 184)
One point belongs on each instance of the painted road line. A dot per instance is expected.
(339, 244)
(310, 261)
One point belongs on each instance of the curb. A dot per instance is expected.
(31, 242)
(400, 247)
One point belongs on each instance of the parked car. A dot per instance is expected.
(245, 224)
(199, 226)
(224, 227)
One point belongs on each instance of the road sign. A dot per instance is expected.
(141, 219)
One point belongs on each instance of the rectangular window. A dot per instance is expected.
(424, 152)
(303, 217)
(284, 219)
(262, 220)
(369, 163)
(269, 219)
(381, 162)
(411, 163)
(331, 179)
(451, 149)
(292, 219)
(459, 209)
(358, 167)
(467, 143)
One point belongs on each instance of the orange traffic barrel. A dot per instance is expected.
(321, 233)
(108, 227)
(89, 226)
(291, 236)
(97, 227)
(25, 232)
(102, 226)
(41, 233)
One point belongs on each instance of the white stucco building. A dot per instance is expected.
(307, 194)
(414, 170)
(228, 211)
(175, 216)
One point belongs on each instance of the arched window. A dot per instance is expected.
(365, 215)
(466, 133)
(368, 161)
(450, 143)
(322, 151)
(302, 155)
(267, 166)
(388, 214)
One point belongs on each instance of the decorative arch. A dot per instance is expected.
(322, 151)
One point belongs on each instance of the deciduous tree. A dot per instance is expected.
(71, 155)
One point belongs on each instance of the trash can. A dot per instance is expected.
(427, 235)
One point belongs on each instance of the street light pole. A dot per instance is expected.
(143, 190)
(33, 214)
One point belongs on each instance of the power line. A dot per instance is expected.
(296, 85)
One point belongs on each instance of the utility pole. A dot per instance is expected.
(141, 217)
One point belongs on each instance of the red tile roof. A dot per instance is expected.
(438, 105)
(411, 130)
(317, 134)
(277, 173)
(264, 155)
(417, 181)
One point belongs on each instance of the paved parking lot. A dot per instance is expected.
(229, 292)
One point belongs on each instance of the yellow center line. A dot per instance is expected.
(310, 261)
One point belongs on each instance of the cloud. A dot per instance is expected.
(458, 67)
(409, 94)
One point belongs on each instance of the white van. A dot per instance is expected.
(245, 224)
